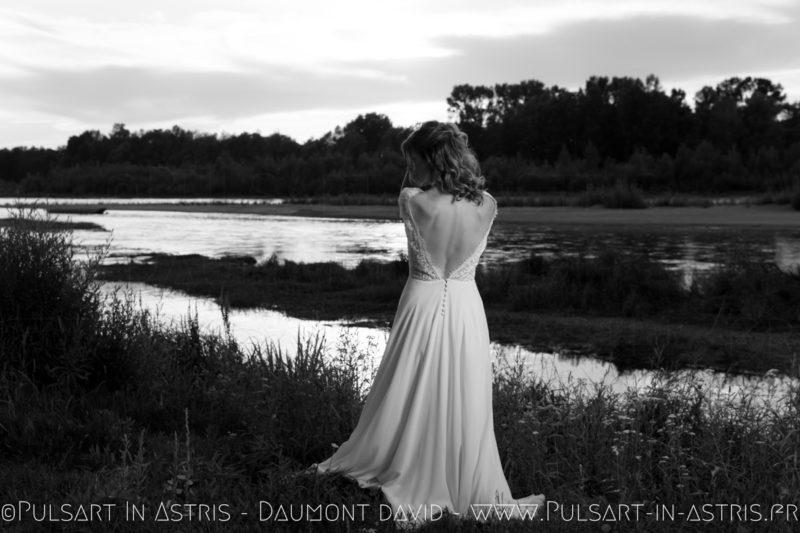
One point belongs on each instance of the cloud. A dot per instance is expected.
(227, 63)
(122, 93)
(674, 48)
(208, 35)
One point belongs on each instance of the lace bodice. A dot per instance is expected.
(420, 265)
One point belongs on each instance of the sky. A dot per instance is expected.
(303, 67)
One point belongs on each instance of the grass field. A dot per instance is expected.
(101, 404)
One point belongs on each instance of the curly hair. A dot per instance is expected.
(445, 149)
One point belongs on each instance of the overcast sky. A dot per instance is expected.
(302, 67)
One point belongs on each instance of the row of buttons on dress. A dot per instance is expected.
(444, 297)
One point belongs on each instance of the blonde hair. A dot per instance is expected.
(445, 149)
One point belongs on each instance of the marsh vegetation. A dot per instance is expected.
(103, 404)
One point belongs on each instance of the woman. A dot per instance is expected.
(426, 433)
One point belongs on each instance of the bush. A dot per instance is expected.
(49, 303)
(749, 294)
(615, 282)
(79, 373)
(623, 195)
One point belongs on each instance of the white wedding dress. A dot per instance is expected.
(426, 434)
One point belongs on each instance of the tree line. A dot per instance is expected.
(741, 135)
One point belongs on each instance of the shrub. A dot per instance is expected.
(614, 282)
(49, 304)
(623, 195)
(758, 295)
(79, 373)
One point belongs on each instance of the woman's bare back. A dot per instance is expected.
(451, 231)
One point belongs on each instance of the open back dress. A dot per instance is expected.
(426, 435)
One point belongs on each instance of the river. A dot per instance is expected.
(132, 235)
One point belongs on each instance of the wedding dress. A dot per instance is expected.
(426, 435)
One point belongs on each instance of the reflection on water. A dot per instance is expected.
(135, 233)
(588, 374)
(688, 251)
(787, 253)
(249, 327)
(347, 241)
(263, 326)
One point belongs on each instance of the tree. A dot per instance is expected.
(741, 111)
(119, 133)
(509, 98)
(372, 127)
(88, 147)
(472, 105)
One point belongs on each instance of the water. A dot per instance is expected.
(262, 327)
(248, 327)
(135, 234)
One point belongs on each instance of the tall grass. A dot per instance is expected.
(81, 374)
(623, 195)
(610, 282)
(791, 193)
(738, 293)
(157, 413)
(613, 282)
(618, 304)
(49, 306)
(673, 441)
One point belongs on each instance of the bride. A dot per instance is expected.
(426, 436)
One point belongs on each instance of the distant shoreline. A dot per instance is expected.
(742, 216)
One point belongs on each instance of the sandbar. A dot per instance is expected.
(762, 215)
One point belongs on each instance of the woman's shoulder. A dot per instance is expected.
(404, 198)
(414, 195)
(406, 193)
(409, 191)
(488, 198)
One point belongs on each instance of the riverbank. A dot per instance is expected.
(618, 307)
(104, 405)
(740, 216)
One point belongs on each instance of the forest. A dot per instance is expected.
(741, 136)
